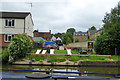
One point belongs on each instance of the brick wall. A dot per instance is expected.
(45, 35)
(5, 44)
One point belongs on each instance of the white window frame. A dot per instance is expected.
(82, 34)
(8, 35)
(9, 20)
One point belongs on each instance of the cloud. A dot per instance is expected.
(59, 15)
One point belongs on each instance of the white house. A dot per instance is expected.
(53, 38)
(14, 23)
(59, 39)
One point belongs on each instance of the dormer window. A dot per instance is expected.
(9, 23)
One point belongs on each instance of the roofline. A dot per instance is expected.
(13, 12)
(16, 12)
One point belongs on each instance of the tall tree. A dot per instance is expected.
(67, 38)
(71, 30)
(92, 28)
(109, 41)
(110, 19)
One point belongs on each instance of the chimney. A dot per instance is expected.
(50, 31)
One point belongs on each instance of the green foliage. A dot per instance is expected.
(67, 63)
(41, 43)
(67, 38)
(70, 30)
(110, 19)
(60, 51)
(19, 46)
(56, 60)
(5, 56)
(76, 40)
(110, 39)
(57, 34)
(92, 28)
(36, 57)
(74, 58)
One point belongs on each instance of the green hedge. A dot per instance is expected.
(19, 46)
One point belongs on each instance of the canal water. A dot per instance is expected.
(65, 68)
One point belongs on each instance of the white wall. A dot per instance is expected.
(18, 29)
(19, 26)
(29, 26)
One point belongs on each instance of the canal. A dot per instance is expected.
(65, 68)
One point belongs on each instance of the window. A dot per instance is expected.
(8, 37)
(85, 34)
(9, 23)
(82, 34)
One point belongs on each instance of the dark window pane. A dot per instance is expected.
(6, 22)
(5, 37)
(9, 38)
(13, 22)
(9, 22)
(12, 35)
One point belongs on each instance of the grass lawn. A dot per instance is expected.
(58, 58)
(65, 52)
(60, 52)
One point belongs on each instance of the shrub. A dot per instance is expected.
(5, 56)
(19, 46)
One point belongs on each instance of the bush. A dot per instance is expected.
(5, 56)
(106, 43)
(19, 46)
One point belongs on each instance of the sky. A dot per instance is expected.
(60, 15)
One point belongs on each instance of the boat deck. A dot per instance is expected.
(21, 76)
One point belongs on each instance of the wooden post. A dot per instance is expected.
(26, 56)
(115, 51)
(88, 56)
(110, 57)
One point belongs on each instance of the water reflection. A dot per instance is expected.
(63, 68)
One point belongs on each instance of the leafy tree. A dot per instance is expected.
(110, 39)
(19, 46)
(71, 30)
(110, 19)
(4, 56)
(67, 38)
(92, 28)
(76, 40)
(35, 31)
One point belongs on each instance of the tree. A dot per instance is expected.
(19, 46)
(110, 39)
(71, 30)
(110, 19)
(92, 28)
(35, 31)
(67, 38)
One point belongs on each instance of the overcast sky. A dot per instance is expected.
(59, 15)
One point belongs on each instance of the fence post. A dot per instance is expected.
(88, 56)
(110, 57)
(26, 56)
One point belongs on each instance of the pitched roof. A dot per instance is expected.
(80, 33)
(59, 38)
(20, 15)
(38, 39)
